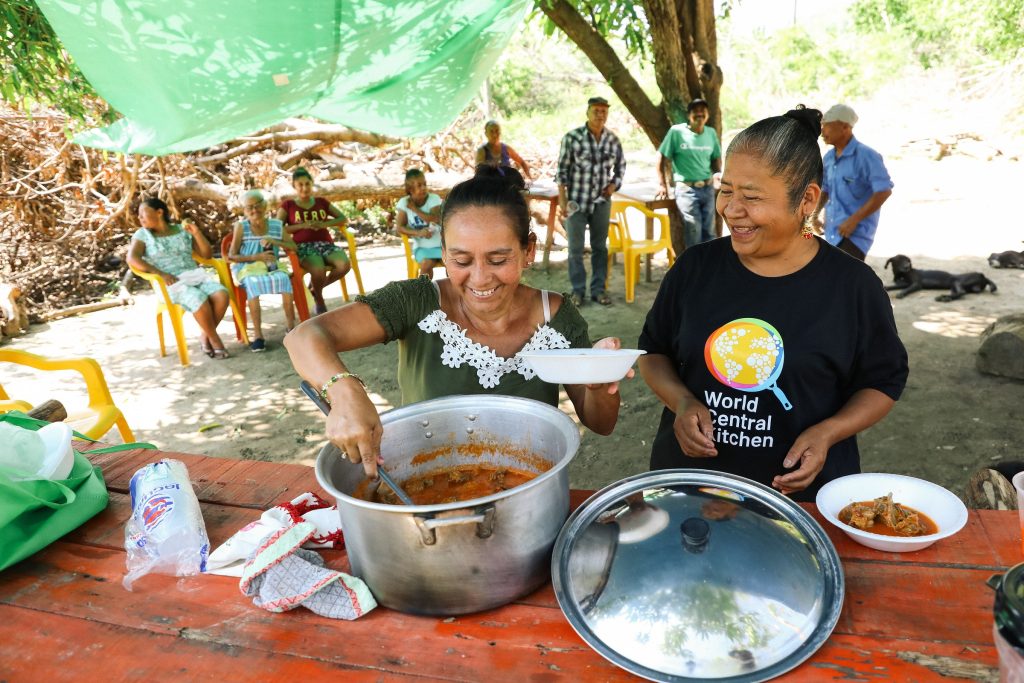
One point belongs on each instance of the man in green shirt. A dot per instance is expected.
(691, 155)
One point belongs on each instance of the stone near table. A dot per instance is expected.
(1002, 347)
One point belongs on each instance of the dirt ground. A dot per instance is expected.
(951, 419)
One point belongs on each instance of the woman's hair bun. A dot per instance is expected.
(809, 118)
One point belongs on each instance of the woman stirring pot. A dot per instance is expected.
(459, 335)
(771, 349)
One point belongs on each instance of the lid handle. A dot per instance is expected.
(696, 533)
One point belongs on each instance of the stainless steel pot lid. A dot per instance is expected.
(686, 575)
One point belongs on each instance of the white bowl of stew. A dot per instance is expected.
(939, 511)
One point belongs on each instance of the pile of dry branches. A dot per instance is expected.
(67, 212)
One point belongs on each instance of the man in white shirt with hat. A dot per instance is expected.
(855, 186)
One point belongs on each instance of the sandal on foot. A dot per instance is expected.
(602, 299)
(219, 354)
(207, 347)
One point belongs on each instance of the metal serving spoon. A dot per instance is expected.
(308, 390)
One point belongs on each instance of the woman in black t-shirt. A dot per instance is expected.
(771, 349)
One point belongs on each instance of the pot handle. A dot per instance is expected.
(483, 518)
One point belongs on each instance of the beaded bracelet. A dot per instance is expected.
(335, 378)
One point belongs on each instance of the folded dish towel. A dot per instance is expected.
(281, 576)
(230, 557)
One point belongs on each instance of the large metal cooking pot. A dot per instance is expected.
(469, 556)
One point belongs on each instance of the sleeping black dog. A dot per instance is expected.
(1007, 259)
(910, 280)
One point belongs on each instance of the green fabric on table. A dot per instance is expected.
(36, 512)
(188, 75)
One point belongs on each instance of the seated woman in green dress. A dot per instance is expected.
(166, 249)
(460, 335)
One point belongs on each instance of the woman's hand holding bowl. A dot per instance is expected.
(612, 343)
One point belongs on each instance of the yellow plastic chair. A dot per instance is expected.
(633, 241)
(101, 414)
(176, 313)
(614, 247)
(354, 262)
(412, 268)
(220, 266)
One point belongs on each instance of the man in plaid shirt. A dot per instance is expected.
(590, 170)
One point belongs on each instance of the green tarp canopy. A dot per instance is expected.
(189, 74)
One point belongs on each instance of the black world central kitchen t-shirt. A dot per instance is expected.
(771, 356)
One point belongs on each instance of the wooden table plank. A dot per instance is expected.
(921, 603)
(923, 616)
(511, 643)
(56, 649)
(916, 603)
(864, 658)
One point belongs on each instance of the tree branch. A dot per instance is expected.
(651, 117)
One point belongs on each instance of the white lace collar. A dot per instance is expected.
(490, 367)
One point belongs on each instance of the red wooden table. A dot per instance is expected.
(924, 616)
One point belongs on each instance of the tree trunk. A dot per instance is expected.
(365, 188)
(651, 117)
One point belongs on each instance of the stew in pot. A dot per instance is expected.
(450, 485)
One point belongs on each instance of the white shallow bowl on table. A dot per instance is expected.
(581, 366)
(942, 506)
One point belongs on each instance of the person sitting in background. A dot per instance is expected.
(419, 216)
(737, 399)
(460, 335)
(167, 249)
(497, 154)
(307, 219)
(255, 247)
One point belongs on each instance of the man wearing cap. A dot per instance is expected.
(855, 186)
(590, 170)
(691, 154)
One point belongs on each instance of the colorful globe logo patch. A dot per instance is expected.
(747, 354)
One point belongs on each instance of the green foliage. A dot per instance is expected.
(373, 220)
(949, 31)
(521, 85)
(348, 209)
(771, 73)
(806, 65)
(35, 69)
(378, 217)
(620, 19)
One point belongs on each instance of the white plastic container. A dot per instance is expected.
(59, 457)
(1011, 661)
